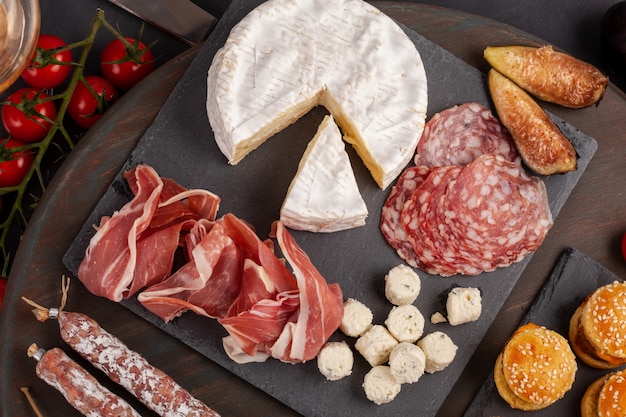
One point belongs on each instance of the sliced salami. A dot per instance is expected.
(421, 219)
(497, 210)
(469, 219)
(460, 134)
(393, 231)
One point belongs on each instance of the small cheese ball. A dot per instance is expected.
(357, 318)
(402, 285)
(380, 386)
(376, 344)
(439, 350)
(405, 323)
(463, 305)
(407, 362)
(335, 360)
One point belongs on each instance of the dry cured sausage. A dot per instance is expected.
(79, 387)
(148, 384)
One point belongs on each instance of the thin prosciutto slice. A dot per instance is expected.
(135, 247)
(269, 306)
(207, 284)
(107, 269)
(321, 305)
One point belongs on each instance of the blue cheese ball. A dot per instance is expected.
(402, 285)
(380, 386)
(439, 350)
(335, 360)
(357, 318)
(407, 363)
(463, 305)
(405, 323)
(376, 344)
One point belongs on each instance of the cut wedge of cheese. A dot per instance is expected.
(287, 56)
(324, 195)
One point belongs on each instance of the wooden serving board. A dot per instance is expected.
(179, 145)
(589, 220)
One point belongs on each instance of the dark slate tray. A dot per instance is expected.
(573, 278)
(179, 144)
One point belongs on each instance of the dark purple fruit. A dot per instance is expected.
(613, 38)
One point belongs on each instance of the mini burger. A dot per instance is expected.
(535, 369)
(606, 397)
(597, 329)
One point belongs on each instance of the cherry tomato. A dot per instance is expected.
(24, 121)
(124, 67)
(14, 166)
(624, 246)
(84, 107)
(48, 69)
(3, 287)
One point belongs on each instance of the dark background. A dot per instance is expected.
(571, 25)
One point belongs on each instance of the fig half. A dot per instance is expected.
(539, 141)
(549, 75)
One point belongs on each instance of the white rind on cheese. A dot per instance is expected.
(323, 195)
(463, 305)
(376, 344)
(380, 386)
(402, 285)
(407, 363)
(357, 318)
(287, 56)
(439, 350)
(405, 323)
(335, 360)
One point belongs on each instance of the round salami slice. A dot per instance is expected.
(497, 211)
(393, 231)
(419, 220)
(460, 134)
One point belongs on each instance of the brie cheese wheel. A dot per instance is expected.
(287, 56)
(323, 195)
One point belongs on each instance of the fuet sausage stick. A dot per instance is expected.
(157, 390)
(150, 385)
(81, 390)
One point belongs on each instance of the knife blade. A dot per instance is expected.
(181, 18)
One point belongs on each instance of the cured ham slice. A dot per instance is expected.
(228, 272)
(460, 134)
(321, 304)
(207, 284)
(304, 317)
(109, 264)
(135, 247)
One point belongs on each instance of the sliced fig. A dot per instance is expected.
(549, 75)
(539, 141)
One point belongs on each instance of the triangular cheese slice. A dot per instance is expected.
(323, 195)
(287, 56)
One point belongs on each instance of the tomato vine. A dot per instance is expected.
(15, 215)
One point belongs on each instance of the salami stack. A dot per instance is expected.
(470, 209)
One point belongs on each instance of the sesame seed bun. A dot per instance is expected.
(605, 397)
(535, 369)
(597, 329)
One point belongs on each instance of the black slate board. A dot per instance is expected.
(179, 144)
(574, 277)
